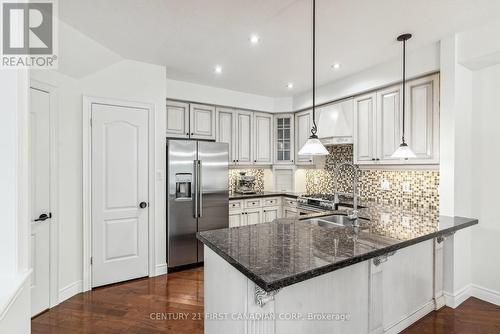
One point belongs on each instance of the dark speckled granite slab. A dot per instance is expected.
(287, 251)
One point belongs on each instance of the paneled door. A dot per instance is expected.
(389, 112)
(263, 138)
(244, 137)
(270, 213)
(202, 121)
(40, 200)
(303, 125)
(177, 119)
(365, 128)
(225, 131)
(120, 215)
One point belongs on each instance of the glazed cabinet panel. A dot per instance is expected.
(202, 121)
(284, 141)
(177, 119)
(243, 137)
(303, 125)
(225, 131)
(263, 138)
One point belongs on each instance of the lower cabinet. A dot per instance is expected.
(253, 216)
(270, 214)
(255, 211)
(289, 212)
(235, 219)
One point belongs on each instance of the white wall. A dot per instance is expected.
(213, 95)
(126, 80)
(419, 62)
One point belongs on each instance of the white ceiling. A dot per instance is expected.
(190, 37)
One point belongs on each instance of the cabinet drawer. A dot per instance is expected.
(271, 201)
(253, 203)
(289, 202)
(235, 205)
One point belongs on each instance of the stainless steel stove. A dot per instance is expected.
(315, 203)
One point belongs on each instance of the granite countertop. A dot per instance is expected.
(287, 251)
(234, 195)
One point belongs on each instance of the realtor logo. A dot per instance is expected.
(28, 31)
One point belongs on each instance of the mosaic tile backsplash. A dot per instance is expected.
(424, 184)
(235, 173)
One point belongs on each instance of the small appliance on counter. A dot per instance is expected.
(246, 184)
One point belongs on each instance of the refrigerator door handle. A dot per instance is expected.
(195, 202)
(200, 189)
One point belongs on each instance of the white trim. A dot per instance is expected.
(87, 179)
(412, 318)
(16, 285)
(453, 300)
(54, 187)
(161, 269)
(485, 294)
(70, 290)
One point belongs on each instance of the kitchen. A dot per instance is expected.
(323, 170)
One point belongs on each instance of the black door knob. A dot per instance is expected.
(43, 217)
(143, 205)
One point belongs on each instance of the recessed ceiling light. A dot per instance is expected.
(218, 69)
(336, 66)
(289, 85)
(254, 38)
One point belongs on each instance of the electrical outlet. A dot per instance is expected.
(385, 185)
(405, 221)
(406, 187)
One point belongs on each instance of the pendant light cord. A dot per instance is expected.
(314, 128)
(404, 89)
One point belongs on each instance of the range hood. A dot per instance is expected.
(336, 120)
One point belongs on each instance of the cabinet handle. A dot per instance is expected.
(378, 159)
(292, 160)
(373, 159)
(187, 133)
(237, 161)
(192, 133)
(255, 161)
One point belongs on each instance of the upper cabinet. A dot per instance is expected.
(263, 138)
(378, 123)
(284, 141)
(303, 125)
(244, 137)
(188, 120)
(177, 119)
(202, 121)
(225, 130)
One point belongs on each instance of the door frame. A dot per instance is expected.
(54, 187)
(87, 181)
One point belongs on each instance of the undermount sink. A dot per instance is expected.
(337, 220)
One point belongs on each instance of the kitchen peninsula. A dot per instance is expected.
(380, 276)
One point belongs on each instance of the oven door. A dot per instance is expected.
(305, 210)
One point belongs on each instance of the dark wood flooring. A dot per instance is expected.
(144, 306)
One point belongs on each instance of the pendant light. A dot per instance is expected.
(404, 151)
(313, 145)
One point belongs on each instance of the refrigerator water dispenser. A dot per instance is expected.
(183, 185)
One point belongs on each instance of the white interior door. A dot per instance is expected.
(119, 193)
(40, 200)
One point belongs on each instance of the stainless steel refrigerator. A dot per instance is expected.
(197, 196)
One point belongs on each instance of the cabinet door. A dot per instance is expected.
(389, 108)
(270, 213)
(303, 124)
(284, 141)
(289, 212)
(364, 129)
(225, 132)
(263, 134)
(235, 219)
(177, 119)
(422, 119)
(243, 137)
(202, 121)
(254, 216)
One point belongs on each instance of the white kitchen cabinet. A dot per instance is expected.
(289, 212)
(335, 122)
(235, 219)
(303, 125)
(225, 131)
(389, 117)
(270, 213)
(284, 139)
(378, 122)
(177, 119)
(365, 147)
(201, 121)
(253, 216)
(243, 137)
(262, 139)
(422, 128)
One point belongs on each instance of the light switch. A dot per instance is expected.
(385, 185)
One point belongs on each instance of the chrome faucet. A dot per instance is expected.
(354, 213)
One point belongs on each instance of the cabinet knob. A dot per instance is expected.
(192, 133)
(292, 160)
(378, 159)
(373, 159)
(237, 161)
(255, 161)
(187, 133)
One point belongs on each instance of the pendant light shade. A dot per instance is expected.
(404, 151)
(313, 145)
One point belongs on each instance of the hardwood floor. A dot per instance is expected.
(138, 307)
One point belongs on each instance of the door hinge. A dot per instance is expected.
(91, 260)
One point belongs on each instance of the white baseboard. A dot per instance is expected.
(410, 319)
(472, 290)
(161, 269)
(70, 290)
